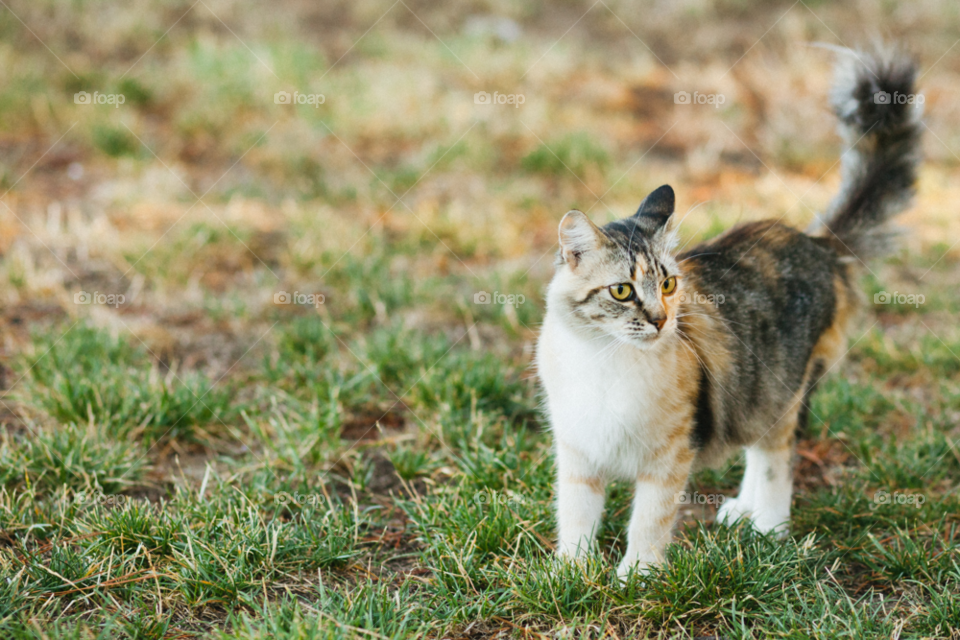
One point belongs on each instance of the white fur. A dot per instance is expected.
(601, 395)
(765, 492)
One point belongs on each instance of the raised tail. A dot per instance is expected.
(879, 110)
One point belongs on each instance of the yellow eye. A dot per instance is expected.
(621, 291)
(669, 286)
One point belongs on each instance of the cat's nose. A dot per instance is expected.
(658, 322)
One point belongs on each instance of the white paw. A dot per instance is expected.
(624, 570)
(635, 565)
(570, 555)
(772, 520)
(734, 509)
(574, 550)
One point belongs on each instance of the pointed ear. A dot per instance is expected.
(577, 236)
(656, 209)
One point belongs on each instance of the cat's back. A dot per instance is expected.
(766, 249)
(777, 292)
(769, 271)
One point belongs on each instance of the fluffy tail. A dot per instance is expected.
(879, 110)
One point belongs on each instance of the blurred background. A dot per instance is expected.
(196, 196)
(297, 246)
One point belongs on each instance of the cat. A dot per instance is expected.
(655, 364)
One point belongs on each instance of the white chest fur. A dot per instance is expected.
(604, 398)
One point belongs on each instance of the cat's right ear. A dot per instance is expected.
(578, 235)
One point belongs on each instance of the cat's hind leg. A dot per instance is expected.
(742, 506)
(773, 487)
(767, 488)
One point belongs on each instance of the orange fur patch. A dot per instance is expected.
(595, 484)
(830, 347)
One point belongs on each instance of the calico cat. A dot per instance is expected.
(655, 364)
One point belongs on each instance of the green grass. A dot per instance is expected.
(77, 374)
(70, 455)
(114, 141)
(577, 153)
(219, 550)
(378, 465)
(299, 537)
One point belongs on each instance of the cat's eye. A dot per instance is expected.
(621, 291)
(669, 285)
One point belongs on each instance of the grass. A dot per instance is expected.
(70, 455)
(82, 373)
(202, 461)
(300, 537)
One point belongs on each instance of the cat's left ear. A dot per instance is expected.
(656, 209)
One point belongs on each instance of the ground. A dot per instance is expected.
(266, 363)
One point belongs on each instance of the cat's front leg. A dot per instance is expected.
(580, 497)
(655, 505)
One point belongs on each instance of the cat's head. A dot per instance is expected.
(621, 280)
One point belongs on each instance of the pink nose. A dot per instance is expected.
(659, 322)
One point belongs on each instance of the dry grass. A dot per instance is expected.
(199, 199)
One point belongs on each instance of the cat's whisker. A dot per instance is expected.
(701, 345)
(691, 210)
(710, 317)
